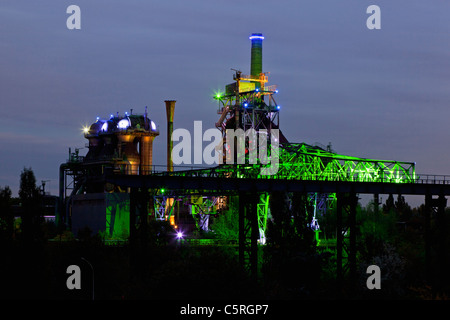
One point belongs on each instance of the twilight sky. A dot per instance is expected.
(382, 94)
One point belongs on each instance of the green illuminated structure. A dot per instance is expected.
(299, 161)
(249, 103)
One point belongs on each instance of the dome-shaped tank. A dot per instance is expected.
(95, 143)
(116, 140)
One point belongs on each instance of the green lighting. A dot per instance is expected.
(218, 95)
(117, 225)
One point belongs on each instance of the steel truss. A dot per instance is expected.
(201, 210)
(304, 162)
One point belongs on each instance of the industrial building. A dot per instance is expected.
(122, 146)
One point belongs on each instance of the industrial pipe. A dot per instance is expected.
(170, 108)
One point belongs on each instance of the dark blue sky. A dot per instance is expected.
(382, 94)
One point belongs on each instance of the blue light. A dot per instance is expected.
(245, 105)
(278, 107)
(257, 90)
(111, 116)
(276, 91)
(98, 118)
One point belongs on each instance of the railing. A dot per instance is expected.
(247, 77)
(271, 88)
(432, 179)
(226, 171)
(153, 169)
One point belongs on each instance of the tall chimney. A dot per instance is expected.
(170, 108)
(256, 55)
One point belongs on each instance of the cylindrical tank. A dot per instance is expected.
(146, 152)
(129, 152)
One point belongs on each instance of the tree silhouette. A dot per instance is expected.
(389, 205)
(403, 209)
(30, 198)
(6, 215)
(291, 246)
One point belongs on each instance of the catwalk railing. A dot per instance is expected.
(301, 162)
(245, 171)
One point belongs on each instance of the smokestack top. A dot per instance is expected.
(170, 108)
(256, 55)
(256, 36)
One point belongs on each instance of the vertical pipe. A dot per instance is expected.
(428, 199)
(60, 218)
(170, 108)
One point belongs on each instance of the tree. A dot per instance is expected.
(389, 205)
(302, 216)
(31, 200)
(403, 209)
(290, 224)
(226, 224)
(6, 215)
(291, 264)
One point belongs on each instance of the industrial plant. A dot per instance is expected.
(115, 190)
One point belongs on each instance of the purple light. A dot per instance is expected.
(179, 235)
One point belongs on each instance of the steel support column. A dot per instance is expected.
(345, 228)
(248, 232)
(435, 258)
(139, 200)
(427, 220)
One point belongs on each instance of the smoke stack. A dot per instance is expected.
(256, 55)
(170, 109)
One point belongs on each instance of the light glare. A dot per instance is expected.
(123, 124)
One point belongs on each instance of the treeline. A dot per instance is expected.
(29, 226)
